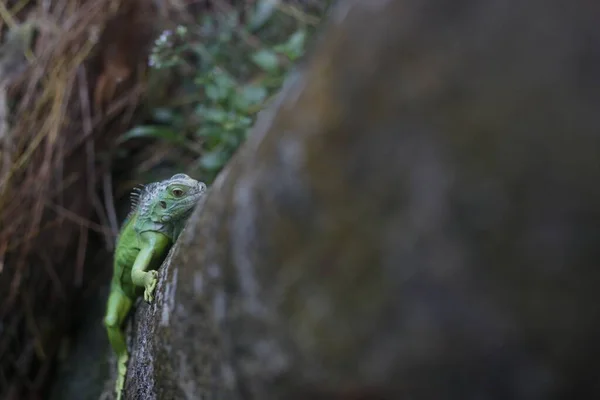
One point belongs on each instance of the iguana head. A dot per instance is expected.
(176, 197)
(161, 205)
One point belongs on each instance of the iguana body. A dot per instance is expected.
(157, 216)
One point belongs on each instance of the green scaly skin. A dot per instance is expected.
(158, 215)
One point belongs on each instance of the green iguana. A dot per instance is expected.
(158, 214)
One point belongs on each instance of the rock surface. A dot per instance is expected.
(418, 217)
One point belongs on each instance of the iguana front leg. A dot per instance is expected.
(153, 245)
(141, 277)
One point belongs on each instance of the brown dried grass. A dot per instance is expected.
(68, 108)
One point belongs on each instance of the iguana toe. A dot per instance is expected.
(152, 279)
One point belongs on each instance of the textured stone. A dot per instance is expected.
(417, 217)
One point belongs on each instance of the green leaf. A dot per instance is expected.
(213, 92)
(201, 80)
(294, 46)
(229, 126)
(245, 122)
(224, 81)
(249, 96)
(217, 115)
(266, 60)
(206, 131)
(219, 86)
(225, 37)
(213, 160)
(263, 12)
(231, 139)
(151, 131)
(163, 115)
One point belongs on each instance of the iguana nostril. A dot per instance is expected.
(163, 204)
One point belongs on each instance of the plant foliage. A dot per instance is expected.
(231, 68)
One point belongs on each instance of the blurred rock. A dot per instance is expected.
(416, 218)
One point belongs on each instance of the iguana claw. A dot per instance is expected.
(151, 280)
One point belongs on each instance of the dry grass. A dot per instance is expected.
(80, 89)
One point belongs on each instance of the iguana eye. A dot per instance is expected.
(177, 192)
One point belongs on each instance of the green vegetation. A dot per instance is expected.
(228, 68)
